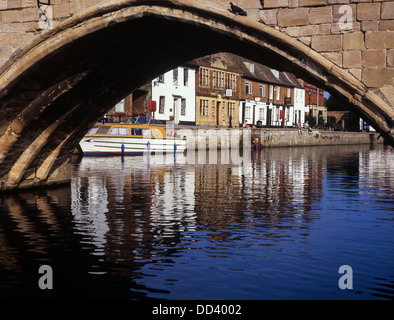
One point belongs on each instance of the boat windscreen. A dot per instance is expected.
(99, 130)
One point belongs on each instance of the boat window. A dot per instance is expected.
(136, 132)
(119, 131)
(147, 132)
(93, 130)
(101, 130)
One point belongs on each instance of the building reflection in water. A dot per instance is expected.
(132, 203)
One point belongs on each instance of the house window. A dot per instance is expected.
(247, 112)
(252, 67)
(213, 108)
(162, 100)
(288, 92)
(161, 78)
(119, 107)
(221, 79)
(261, 114)
(231, 81)
(271, 92)
(175, 77)
(277, 93)
(183, 106)
(231, 109)
(204, 77)
(218, 79)
(185, 77)
(262, 91)
(204, 107)
(248, 88)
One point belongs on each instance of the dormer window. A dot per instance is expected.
(275, 73)
(252, 67)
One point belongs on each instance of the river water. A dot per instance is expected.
(279, 226)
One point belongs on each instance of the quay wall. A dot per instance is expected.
(208, 138)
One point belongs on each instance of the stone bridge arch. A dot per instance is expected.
(53, 88)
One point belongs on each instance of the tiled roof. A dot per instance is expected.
(242, 65)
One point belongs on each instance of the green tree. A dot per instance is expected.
(333, 104)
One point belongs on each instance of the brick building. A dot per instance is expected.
(267, 96)
(133, 105)
(314, 102)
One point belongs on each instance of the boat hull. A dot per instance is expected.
(111, 146)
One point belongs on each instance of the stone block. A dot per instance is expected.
(335, 57)
(324, 29)
(10, 39)
(305, 40)
(370, 26)
(30, 14)
(352, 59)
(374, 58)
(293, 3)
(356, 72)
(326, 43)
(321, 15)
(293, 31)
(378, 77)
(269, 17)
(353, 41)
(30, 26)
(311, 3)
(390, 58)
(61, 10)
(337, 1)
(11, 16)
(388, 10)
(386, 25)
(13, 4)
(293, 17)
(379, 39)
(368, 11)
(15, 27)
(308, 30)
(275, 3)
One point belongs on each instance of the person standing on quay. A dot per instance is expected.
(299, 127)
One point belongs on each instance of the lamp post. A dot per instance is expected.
(317, 107)
(310, 93)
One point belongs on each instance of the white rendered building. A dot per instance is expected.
(175, 95)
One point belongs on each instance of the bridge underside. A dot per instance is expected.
(57, 87)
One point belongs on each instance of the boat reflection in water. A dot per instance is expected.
(276, 227)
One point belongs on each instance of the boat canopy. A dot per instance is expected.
(143, 120)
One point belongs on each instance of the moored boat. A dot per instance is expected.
(130, 139)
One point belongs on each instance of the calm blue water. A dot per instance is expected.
(277, 227)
